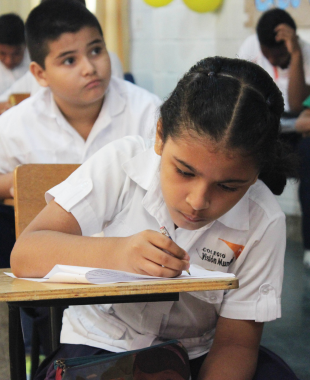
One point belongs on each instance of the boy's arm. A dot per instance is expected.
(54, 237)
(298, 90)
(6, 185)
(303, 123)
(234, 352)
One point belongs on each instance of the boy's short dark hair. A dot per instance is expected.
(80, 1)
(49, 20)
(12, 30)
(267, 23)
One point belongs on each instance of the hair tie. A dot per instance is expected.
(211, 74)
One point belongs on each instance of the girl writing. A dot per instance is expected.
(209, 179)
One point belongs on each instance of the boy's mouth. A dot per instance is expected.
(93, 83)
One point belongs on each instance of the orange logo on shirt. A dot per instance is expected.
(236, 248)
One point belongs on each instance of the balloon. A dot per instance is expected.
(203, 5)
(157, 3)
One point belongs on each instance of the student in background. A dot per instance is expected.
(14, 59)
(303, 127)
(28, 84)
(81, 107)
(277, 48)
(209, 178)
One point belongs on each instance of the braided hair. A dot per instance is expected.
(236, 103)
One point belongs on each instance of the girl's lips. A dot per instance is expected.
(193, 219)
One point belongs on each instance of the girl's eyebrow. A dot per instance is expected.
(229, 180)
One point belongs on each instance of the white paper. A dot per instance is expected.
(85, 275)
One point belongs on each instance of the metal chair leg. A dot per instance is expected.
(17, 352)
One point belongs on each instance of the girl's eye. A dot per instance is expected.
(69, 61)
(185, 174)
(227, 188)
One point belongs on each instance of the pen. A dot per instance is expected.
(165, 232)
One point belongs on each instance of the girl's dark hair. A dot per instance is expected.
(235, 103)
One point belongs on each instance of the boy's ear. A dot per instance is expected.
(39, 73)
(159, 144)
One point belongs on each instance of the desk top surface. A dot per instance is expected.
(12, 290)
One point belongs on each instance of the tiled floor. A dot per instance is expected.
(289, 336)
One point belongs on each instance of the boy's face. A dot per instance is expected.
(11, 55)
(77, 68)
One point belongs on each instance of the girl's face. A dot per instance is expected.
(200, 180)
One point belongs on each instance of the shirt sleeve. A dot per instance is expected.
(260, 275)
(99, 189)
(306, 102)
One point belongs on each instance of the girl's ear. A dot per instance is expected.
(39, 73)
(159, 144)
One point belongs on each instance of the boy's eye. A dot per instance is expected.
(185, 174)
(68, 61)
(97, 50)
(227, 188)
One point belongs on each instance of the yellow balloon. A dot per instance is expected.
(202, 6)
(157, 3)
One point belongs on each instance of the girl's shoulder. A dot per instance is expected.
(262, 198)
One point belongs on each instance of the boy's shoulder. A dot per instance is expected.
(26, 113)
(132, 92)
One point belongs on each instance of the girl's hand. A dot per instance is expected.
(144, 253)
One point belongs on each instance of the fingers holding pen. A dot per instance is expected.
(152, 253)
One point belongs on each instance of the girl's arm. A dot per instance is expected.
(54, 237)
(234, 352)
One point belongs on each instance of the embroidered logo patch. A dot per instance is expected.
(236, 248)
(214, 257)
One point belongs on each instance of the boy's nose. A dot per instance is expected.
(88, 67)
(8, 61)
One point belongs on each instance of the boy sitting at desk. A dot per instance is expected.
(14, 58)
(81, 107)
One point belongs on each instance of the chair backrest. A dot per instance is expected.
(15, 99)
(31, 181)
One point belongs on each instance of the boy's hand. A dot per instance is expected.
(287, 34)
(144, 253)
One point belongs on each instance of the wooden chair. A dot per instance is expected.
(30, 184)
(15, 99)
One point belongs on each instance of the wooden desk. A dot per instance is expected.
(24, 293)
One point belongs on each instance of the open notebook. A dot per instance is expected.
(85, 275)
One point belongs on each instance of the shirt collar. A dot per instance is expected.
(143, 167)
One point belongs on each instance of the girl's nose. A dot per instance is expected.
(199, 199)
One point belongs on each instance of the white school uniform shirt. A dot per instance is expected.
(250, 50)
(118, 190)
(35, 131)
(8, 76)
(29, 85)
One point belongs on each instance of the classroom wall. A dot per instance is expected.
(167, 41)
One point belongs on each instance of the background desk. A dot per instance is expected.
(25, 293)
